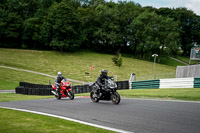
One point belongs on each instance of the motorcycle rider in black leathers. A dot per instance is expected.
(101, 81)
(58, 81)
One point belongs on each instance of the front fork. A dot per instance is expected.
(68, 90)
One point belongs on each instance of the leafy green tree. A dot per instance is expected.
(152, 32)
(10, 27)
(196, 31)
(106, 32)
(144, 34)
(61, 28)
(24, 8)
(31, 33)
(117, 59)
(127, 12)
(97, 24)
(88, 24)
(169, 36)
(188, 26)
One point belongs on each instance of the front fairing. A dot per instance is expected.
(111, 84)
(53, 86)
(65, 83)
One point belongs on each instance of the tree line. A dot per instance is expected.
(107, 26)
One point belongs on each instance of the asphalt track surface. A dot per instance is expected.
(7, 91)
(134, 115)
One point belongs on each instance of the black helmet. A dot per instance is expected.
(104, 72)
(59, 74)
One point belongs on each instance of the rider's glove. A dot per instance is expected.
(103, 86)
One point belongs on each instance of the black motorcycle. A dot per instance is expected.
(108, 93)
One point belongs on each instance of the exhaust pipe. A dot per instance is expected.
(54, 93)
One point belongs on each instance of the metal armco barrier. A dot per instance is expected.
(38, 89)
(147, 84)
(81, 89)
(33, 89)
(177, 83)
(121, 85)
(167, 83)
(196, 82)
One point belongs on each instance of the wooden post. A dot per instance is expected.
(91, 68)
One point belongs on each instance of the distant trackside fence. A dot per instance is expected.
(188, 71)
(38, 89)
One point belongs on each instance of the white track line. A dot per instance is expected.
(70, 119)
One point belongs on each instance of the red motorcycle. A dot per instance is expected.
(65, 90)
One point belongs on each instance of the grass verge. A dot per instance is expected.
(6, 97)
(8, 85)
(12, 121)
(170, 62)
(186, 59)
(191, 94)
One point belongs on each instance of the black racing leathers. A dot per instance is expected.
(101, 81)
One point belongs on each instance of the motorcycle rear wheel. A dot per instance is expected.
(71, 95)
(115, 97)
(93, 97)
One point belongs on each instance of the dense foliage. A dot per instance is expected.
(68, 25)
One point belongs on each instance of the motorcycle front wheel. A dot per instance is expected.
(71, 95)
(57, 97)
(93, 97)
(115, 97)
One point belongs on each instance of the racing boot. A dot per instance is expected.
(58, 92)
(99, 94)
(96, 94)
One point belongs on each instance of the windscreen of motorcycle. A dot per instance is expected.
(111, 84)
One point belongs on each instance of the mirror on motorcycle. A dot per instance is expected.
(112, 78)
(64, 80)
(90, 83)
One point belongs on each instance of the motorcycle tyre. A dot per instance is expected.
(58, 97)
(94, 99)
(71, 95)
(114, 98)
